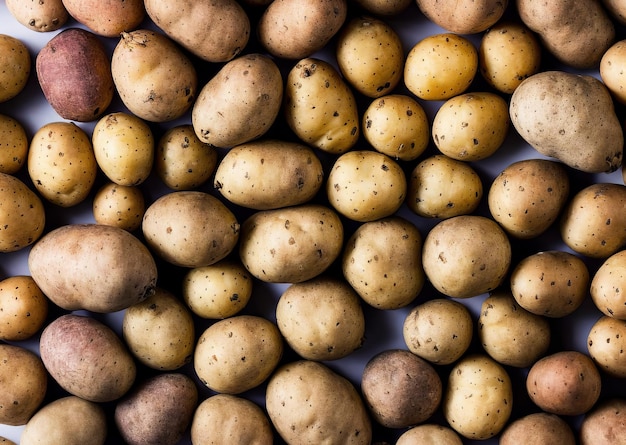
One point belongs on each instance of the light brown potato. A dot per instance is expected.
(69, 420)
(606, 343)
(121, 206)
(612, 70)
(616, 9)
(604, 425)
(24, 384)
(429, 434)
(13, 145)
(63, 266)
(15, 61)
(607, 288)
(384, 7)
(463, 17)
(5, 441)
(538, 429)
(39, 16)
(565, 383)
(107, 18)
(24, 308)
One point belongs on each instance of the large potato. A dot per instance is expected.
(214, 31)
(107, 18)
(39, 16)
(240, 103)
(292, 244)
(570, 117)
(307, 402)
(15, 61)
(69, 264)
(465, 16)
(608, 286)
(87, 358)
(24, 308)
(154, 78)
(13, 145)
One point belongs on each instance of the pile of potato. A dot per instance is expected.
(285, 221)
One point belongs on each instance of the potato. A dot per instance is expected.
(607, 286)
(511, 335)
(370, 56)
(321, 319)
(559, 24)
(62, 164)
(307, 402)
(63, 266)
(429, 434)
(109, 18)
(320, 108)
(87, 358)
(569, 117)
(218, 291)
(24, 382)
(13, 145)
(397, 125)
(440, 66)
(295, 29)
(384, 7)
(538, 429)
(24, 308)
(237, 354)
(158, 410)
(22, 217)
(182, 161)
(551, 283)
(159, 331)
(39, 16)
(292, 244)
(478, 399)
(240, 103)
(121, 206)
(269, 174)
(612, 70)
(5, 441)
(527, 196)
(508, 53)
(366, 185)
(221, 29)
(438, 330)
(69, 420)
(155, 79)
(616, 9)
(592, 223)
(15, 61)
(604, 425)
(190, 228)
(74, 72)
(605, 344)
(226, 418)
(463, 17)
(382, 261)
(442, 187)
(565, 383)
(466, 256)
(400, 388)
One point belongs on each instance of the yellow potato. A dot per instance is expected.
(608, 286)
(13, 145)
(117, 205)
(605, 343)
(39, 16)
(24, 308)
(16, 67)
(612, 70)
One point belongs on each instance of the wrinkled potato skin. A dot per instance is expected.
(107, 18)
(604, 424)
(606, 344)
(46, 16)
(15, 61)
(538, 429)
(608, 284)
(559, 23)
(465, 16)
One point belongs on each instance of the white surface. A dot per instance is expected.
(384, 328)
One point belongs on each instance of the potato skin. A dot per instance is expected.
(13, 145)
(538, 429)
(24, 308)
(15, 60)
(604, 425)
(429, 434)
(39, 16)
(117, 205)
(463, 17)
(74, 72)
(107, 18)
(612, 72)
(605, 345)
(607, 286)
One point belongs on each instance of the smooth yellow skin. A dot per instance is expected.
(608, 286)
(24, 308)
(13, 145)
(471, 126)
(124, 148)
(613, 70)
(440, 66)
(16, 67)
(119, 205)
(397, 125)
(606, 342)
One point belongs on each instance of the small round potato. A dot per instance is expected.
(612, 70)
(604, 425)
(382, 261)
(23, 308)
(442, 187)
(400, 388)
(24, 384)
(13, 145)
(551, 283)
(429, 434)
(440, 66)
(538, 429)
(438, 330)
(366, 185)
(471, 126)
(397, 125)
(218, 291)
(608, 286)
(237, 354)
(226, 418)
(606, 343)
(15, 61)
(39, 16)
(159, 331)
(321, 319)
(565, 383)
(117, 205)
(182, 161)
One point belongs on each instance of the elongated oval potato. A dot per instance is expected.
(153, 76)
(215, 31)
(39, 16)
(87, 358)
(269, 174)
(240, 103)
(108, 18)
(320, 106)
(292, 244)
(63, 264)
